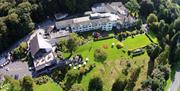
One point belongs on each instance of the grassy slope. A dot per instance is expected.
(116, 60)
(153, 37)
(50, 86)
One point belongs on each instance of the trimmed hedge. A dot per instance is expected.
(103, 38)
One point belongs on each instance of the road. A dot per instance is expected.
(175, 84)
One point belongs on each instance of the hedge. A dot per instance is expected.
(103, 38)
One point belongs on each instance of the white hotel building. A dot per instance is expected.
(104, 16)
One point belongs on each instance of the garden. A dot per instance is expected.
(116, 63)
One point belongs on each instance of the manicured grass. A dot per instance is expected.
(49, 86)
(153, 37)
(88, 49)
(66, 55)
(116, 60)
(136, 42)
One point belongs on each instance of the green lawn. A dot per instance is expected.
(88, 49)
(116, 60)
(153, 37)
(49, 86)
(136, 42)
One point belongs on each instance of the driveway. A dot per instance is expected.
(16, 68)
(175, 84)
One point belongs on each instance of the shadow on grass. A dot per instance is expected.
(100, 60)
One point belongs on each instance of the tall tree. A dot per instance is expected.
(133, 6)
(147, 7)
(27, 83)
(95, 84)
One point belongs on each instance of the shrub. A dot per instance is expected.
(125, 71)
(77, 87)
(105, 46)
(119, 45)
(41, 80)
(82, 70)
(100, 55)
(20, 51)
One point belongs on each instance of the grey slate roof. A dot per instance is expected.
(64, 23)
(70, 22)
(38, 43)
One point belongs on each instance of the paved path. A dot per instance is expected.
(175, 84)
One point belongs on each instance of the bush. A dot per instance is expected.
(119, 45)
(77, 87)
(20, 51)
(125, 71)
(100, 55)
(105, 46)
(82, 70)
(41, 80)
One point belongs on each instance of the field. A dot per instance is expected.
(116, 60)
(49, 86)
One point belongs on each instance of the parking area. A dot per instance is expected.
(16, 69)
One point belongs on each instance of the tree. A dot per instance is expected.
(14, 84)
(27, 83)
(177, 24)
(61, 46)
(100, 55)
(147, 7)
(5, 7)
(168, 11)
(77, 87)
(162, 59)
(152, 18)
(72, 77)
(95, 84)
(133, 6)
(71, 5)
(20, 51)
(119, 85)
(25, 7)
